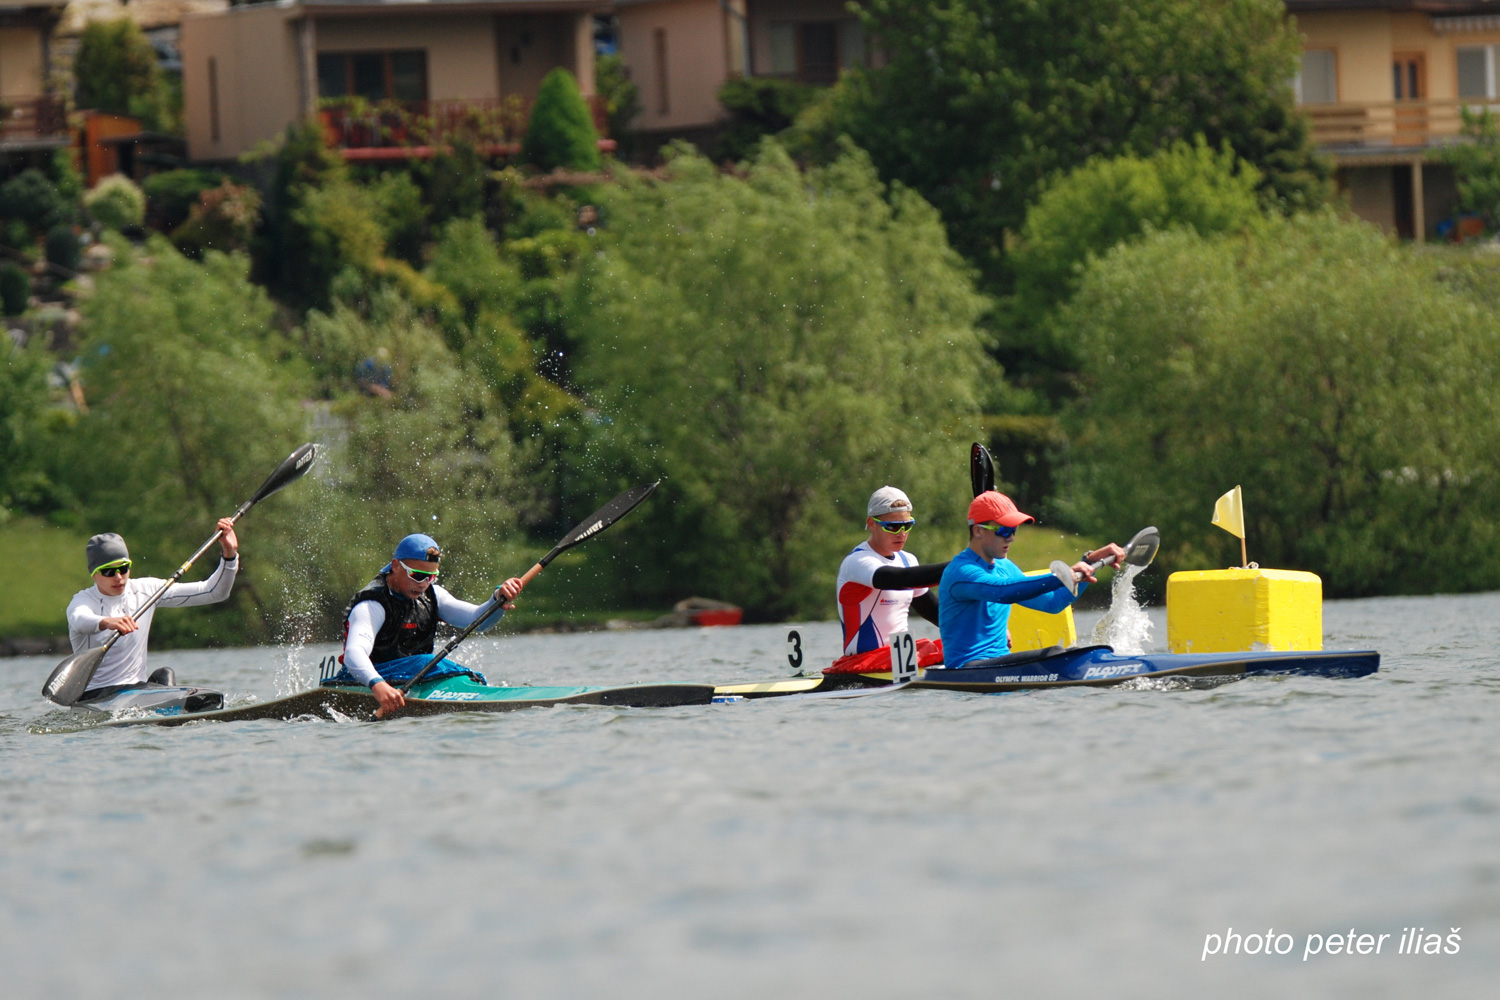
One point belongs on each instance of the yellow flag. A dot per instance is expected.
(1229, 513)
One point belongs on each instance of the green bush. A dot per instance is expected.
(23, 428)
(15, 289)
(31, 198)
(225, 219)
(1347, 383)
(173, 193)
(454, 182)
(758, 107)
(62, 247)
(402, 214)
(622, 98)
(116, 202)
(561, 132)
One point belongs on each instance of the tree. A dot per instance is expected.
(561, 131)
(116, 70)
(1344, 381)
(981, 101)
(1104, 202)
(776, 346)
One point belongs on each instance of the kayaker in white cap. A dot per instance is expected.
(396, 616)
(880, 582)
(111, 603)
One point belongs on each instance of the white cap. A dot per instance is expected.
(887, 499)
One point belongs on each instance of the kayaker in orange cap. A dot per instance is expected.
(981, 583)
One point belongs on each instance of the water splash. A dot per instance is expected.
(1125, 626)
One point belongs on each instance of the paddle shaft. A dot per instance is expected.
(586, 529)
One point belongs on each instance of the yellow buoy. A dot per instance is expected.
(1037, 630)
(1240, 610)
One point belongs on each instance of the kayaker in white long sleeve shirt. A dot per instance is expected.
(111, 604)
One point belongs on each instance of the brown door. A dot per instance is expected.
(1409, 90)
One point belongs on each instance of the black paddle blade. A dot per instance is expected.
(296, 464)
(68, 682)
(602, 518)
(1141, 549)
(981, 469)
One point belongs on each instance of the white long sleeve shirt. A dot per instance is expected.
(366, 617)
(125, 663)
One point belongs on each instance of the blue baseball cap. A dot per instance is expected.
(418, 547)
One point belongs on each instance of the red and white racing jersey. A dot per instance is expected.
(869, 616)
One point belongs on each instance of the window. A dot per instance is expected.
(1318, 81)
(783, 49)
(1408, 76)
(375, 76)
(815, 51)
(1476, 70)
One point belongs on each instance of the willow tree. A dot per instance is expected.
(776, 345)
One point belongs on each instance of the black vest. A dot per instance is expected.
(410, 624)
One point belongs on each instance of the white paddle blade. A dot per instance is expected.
(1141, 549)
(71, 678)
(1064, 574)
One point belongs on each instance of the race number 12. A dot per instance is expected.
(903, 658)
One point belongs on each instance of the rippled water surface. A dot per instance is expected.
(926, 844)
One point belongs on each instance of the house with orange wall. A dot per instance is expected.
(248, 71)
(1384, 84)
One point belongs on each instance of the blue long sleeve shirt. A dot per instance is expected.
(974, 602)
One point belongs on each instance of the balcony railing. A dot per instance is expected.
(1379, 124)
(390, 129)
(24, 119)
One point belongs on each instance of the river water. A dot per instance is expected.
(926, 844)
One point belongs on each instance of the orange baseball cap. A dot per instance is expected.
(997, 508)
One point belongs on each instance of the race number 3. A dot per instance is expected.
(794, 639)
(903, 657)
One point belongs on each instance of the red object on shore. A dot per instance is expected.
(717, 616)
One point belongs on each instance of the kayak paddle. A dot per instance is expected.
(981, 469)
(71, 678)
(1139, 551)
(588, 528)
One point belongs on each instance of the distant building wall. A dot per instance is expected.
(21, 62)
(241, 79)
(529, 46)
(678, 58)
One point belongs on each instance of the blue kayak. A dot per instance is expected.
(1097, 666)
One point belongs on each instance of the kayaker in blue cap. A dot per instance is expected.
(397, 614)
(111, 604)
